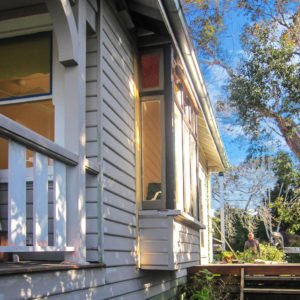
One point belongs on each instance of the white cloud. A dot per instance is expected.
(233, 131)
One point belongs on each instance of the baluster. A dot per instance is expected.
(16, 194)
(40, 200)
(59, 205)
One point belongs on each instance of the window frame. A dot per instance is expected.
(41, 26)
(188, 122)
(179, 190)
(203, 197)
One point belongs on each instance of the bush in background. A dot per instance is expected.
(268, 253)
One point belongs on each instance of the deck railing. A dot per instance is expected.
(21, 139)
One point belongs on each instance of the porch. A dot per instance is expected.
(35, 221)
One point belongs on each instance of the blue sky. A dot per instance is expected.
(215, 77)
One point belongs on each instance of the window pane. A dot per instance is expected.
(186, 161)
(150, 70)
(187, 109)
(37, 116)
(25, 64)
(151, 150)
(178, 159)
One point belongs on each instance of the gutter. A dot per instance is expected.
(172, 14)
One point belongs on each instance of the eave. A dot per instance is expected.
(210, 139)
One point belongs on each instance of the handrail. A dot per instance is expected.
(33, 141)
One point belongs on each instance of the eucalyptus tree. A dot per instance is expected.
(263, 86)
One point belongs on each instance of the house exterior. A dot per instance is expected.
(107, 144)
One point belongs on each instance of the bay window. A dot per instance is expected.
(152, 129)
(168, 136)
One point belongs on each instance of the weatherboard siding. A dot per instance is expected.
(118, 147)
(186, 243)
(92, 197)
(166, 244)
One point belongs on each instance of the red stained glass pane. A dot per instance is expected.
(150, 70)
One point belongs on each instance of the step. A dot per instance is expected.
(271, 291)
(272, 278)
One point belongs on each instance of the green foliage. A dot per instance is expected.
(260, 231)
(288, 213)
(293, 258)
(287, 172)
(246, 256)
(238, 223)
(268, 253)
(217, 257)
(227, 254)
(271, 253)
(204, 286)
(285, 196)
(266, 88)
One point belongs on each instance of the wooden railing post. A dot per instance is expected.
(16, 194)
(242, 284)
(40, 200)
(60, 205)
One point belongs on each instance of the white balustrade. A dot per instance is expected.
(21, 139)
(18, 176)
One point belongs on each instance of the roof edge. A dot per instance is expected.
(174, 19)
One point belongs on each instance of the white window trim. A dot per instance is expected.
(204, 213)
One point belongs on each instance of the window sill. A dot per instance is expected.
(179, 216)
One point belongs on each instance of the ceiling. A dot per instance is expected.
(12, 4)
(145, 17)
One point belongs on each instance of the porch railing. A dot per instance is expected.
(21, 139)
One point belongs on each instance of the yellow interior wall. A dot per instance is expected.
(151, 144)
(37, 116)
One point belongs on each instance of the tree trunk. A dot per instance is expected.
(290, 133)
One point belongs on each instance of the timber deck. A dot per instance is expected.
(260, 281)
(249, 269)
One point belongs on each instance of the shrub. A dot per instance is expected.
(227, 256)
(204, 285)
(268, 252)
(246, 256)
(271, 253)
(293, 258)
